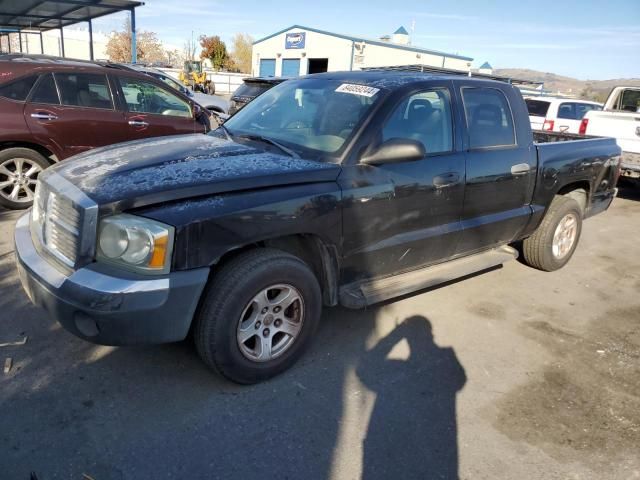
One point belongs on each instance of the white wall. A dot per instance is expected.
(76, 43)
(339, 52)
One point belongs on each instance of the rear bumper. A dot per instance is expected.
(630, 165)
(105, 308)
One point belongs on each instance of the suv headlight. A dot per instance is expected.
(135, 243)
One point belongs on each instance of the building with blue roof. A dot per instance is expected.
(299, 50)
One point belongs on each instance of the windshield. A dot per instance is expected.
(314, 117)
(172, 83)
(537, 108)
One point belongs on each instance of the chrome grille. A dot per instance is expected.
(56, 221)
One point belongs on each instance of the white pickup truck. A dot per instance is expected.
(620, 119)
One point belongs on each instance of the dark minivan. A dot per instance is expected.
(250, 89)
(53, 108)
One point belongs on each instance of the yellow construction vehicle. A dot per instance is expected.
(192, 75)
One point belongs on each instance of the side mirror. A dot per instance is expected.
(395, 150)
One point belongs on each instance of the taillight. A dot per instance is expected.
(583, 126)
(548, 125)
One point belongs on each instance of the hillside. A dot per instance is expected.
(591, 89)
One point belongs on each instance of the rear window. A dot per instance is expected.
(252, 89)
(630, 101)
(19, 89)
(84, 90)
(489, 118)
(537, 108)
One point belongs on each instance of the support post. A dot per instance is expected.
(62, 40)
(134, 53)
(41, 44)
(20, 38)
(9, 41)
(91, 40)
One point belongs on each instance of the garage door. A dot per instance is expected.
(268, 67)
(290, 67)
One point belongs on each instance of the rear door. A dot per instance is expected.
(154, 111)
(74, 111)
(500, 166)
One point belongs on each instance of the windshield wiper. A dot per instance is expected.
(260, 138)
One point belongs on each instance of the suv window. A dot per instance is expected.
(146, 97)
(575, 111)
(489, 118)
(84, 90)
(18, 89)
(251, 89)
(45, 91)
(426, 117)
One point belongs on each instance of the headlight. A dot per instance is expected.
(135, 243)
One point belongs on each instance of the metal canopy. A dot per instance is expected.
(45, 15)
(37, 16)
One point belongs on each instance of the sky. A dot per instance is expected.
(584, 39)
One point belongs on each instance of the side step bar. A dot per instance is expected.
(361, 294)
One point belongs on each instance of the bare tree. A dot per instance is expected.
(189, 49)
(242, 50)
(148, 46)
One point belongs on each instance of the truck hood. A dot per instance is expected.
(146, 172)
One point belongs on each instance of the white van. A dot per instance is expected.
(558, 114)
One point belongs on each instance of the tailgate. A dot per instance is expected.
(624, 127)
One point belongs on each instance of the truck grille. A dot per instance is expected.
(58, 222)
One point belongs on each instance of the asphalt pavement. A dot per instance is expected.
(510, 374)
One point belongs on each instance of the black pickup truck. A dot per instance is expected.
(338, 188)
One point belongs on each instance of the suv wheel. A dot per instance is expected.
(19, 170)
(257, 315)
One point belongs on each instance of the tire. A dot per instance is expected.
(26, 162)
(231, 297)
(540, 250)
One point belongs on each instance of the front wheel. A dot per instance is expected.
(552, 245)
(257, 315)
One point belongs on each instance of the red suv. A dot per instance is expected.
(53, 108)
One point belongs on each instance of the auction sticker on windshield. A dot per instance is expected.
(357, 89)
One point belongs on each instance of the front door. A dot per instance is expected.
(400, 216)
(153, 111)
(500, 172)
(74, 111)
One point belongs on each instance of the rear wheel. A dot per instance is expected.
(19, 170)
(553, 243)
(257, 315)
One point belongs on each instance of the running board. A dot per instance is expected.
(359, 295)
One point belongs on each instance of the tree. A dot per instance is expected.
(242, 50)
(189, 49)
(215, 50)
(148, 47)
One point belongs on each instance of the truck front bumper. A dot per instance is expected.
(109, 309)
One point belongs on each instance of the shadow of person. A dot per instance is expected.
(412, 430)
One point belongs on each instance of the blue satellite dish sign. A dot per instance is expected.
(294, 40)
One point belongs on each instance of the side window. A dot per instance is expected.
(583, 108)
(426, 117)
(567, 110)
(45, 91)
(18, 89)
(146, 97)
(489, 118)
(84, 90)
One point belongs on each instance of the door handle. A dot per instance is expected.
(520, 169)
(44, 116)
(138, 123)
(446, 179)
